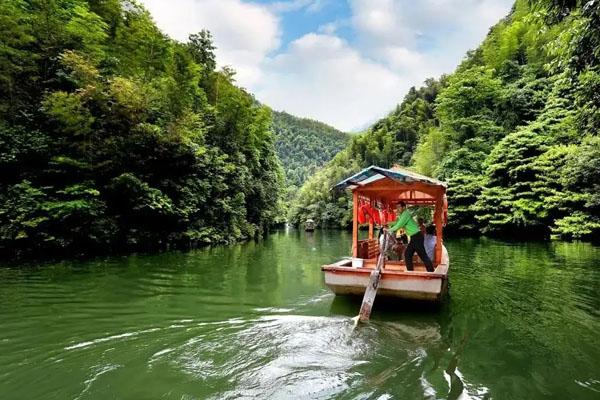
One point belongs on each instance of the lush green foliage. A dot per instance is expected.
(392, 139)
(514, 130)
(303, 146)
(112, 135)
(315, 199)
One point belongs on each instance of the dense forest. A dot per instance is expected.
(514, 131)
(303, 146)
(113, 136)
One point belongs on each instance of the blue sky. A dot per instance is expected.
(344, 62)
(309, 16)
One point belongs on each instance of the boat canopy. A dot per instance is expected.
(384, 188)
(374, 174)
(391, 186)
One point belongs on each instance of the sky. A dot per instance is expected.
(343, 62)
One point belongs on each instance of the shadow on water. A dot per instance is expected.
(387, 309)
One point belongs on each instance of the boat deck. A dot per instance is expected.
(391, 267)
(344, 278)
(377, 194)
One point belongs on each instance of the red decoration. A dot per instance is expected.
(362, 214)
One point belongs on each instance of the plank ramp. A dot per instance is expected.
(371, 290)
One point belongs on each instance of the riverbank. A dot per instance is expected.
(49, 256)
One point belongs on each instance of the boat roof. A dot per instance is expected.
(374, 174)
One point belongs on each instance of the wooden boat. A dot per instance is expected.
(385, 188)
(309, 225)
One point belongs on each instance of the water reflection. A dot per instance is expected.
(256, 320)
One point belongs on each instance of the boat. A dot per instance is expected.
(383, 189)
(309, 225)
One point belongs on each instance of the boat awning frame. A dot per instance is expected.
(374, 173)
(387, 188)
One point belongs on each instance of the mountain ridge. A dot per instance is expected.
(304, 145)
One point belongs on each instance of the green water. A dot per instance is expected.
(256, 321)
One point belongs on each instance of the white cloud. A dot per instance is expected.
(438, 32)
(244, 33)
(395, 44)
(403, 59)
(378, 22)
(322, 77)
(332, 27)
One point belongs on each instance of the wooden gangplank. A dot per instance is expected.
(371, 290)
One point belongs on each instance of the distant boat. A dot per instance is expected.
(309, 225)
(385, 188)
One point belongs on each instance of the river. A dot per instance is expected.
(256, 321)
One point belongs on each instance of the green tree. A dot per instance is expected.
(202, 49)
(112, 136)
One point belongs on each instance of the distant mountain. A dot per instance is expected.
(305, 145)
(362, 128)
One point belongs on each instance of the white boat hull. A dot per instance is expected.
(344, 279)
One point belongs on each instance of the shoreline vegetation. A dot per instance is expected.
(115, 138)
(514, 131)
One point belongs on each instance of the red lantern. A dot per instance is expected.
(386, 216)
(393, 216)
(376, 216)
(362, 214)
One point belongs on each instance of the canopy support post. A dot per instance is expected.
(439, 209)
(355, 224)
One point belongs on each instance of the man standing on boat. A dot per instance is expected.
(405, 220)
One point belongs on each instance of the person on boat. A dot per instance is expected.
(405, 220)
(401, 242)
(430, 241)
(391, 253)
(403, 237)
(422, 226)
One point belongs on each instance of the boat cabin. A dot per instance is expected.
(380, 190)
(383, 189)
(309, 225)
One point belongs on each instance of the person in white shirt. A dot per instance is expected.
(430, 241)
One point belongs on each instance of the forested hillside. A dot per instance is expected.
(303, 146)
(114, 136)
(514, 131)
